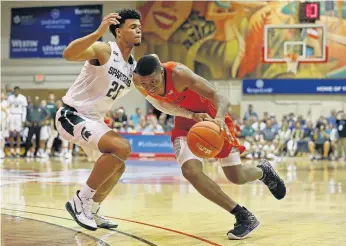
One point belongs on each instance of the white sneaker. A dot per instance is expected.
(80, 210)
(68, 155)
(103, 222)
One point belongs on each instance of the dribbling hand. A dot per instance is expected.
(223, 127)
(110, 19)
(201, 117)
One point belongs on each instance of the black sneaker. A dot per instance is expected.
(271, 179)
(246, 223)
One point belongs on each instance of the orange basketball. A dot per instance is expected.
(205, 139)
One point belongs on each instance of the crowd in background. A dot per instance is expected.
(29, 122)
(267, 136)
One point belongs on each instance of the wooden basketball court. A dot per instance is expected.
(154, 205)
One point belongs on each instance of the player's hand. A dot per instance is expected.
(201, 117)
(223, 127)
(108, 20)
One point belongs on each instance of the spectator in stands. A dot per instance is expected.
(269, 133)
(247, 133)
(17, 103)
(250, 113)
(35, 119)
(153, 127)
(284, 135)
(308, 131)
(296, 136)
(301, 120)
(162, 122)
(128, 127)
(257, 124)
(332, 118)
(291, 120)
(120, 119)
(333, 137)
(341, 126)
(150, 114)
(142, 125)
(320, 142)
(109, 119)
(136, 117)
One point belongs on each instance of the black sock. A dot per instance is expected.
(236, 210)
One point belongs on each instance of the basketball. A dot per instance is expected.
(205, 139)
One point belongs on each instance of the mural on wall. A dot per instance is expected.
(224, 40)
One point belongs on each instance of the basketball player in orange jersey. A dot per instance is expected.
(195, 98)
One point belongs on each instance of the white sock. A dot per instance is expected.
(18, 151)
(86, 192)
(12, 151)
(95, 207)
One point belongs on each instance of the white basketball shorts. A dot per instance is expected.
(79, 129)
(15, 122)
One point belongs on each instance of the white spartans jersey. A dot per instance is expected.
(17, 104)
(96, 89)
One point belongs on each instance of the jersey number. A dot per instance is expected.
(115, 90)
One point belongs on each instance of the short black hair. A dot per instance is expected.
(147, 65)
(124, 14)
(16, 88)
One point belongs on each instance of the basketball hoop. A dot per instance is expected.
(292, 60)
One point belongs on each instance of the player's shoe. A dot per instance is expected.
(246, 223)
(80, 210)
(103, 222)
(271, 179)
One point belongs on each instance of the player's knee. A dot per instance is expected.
(122, 149)
(190, 173)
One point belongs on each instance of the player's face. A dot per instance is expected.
(154, 83)
(131, 32)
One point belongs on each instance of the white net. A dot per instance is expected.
(292, 60)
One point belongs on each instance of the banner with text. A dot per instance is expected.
(44, 32)
(294, 86)
(148, 144)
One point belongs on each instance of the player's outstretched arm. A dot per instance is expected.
(87, 48)
(204, 88)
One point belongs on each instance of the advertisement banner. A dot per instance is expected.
(294, 86)
(148, 144)
(44, 32)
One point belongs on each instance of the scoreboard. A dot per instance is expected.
(309, 11)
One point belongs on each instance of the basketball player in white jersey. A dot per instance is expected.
(105, 77)
(17, 115)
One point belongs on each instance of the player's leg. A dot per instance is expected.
(192, 170)
(19, 129)
(103, 192)
(37, 130)
(94, 135)
(326, 149)
(242, 174)
(28, 142)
